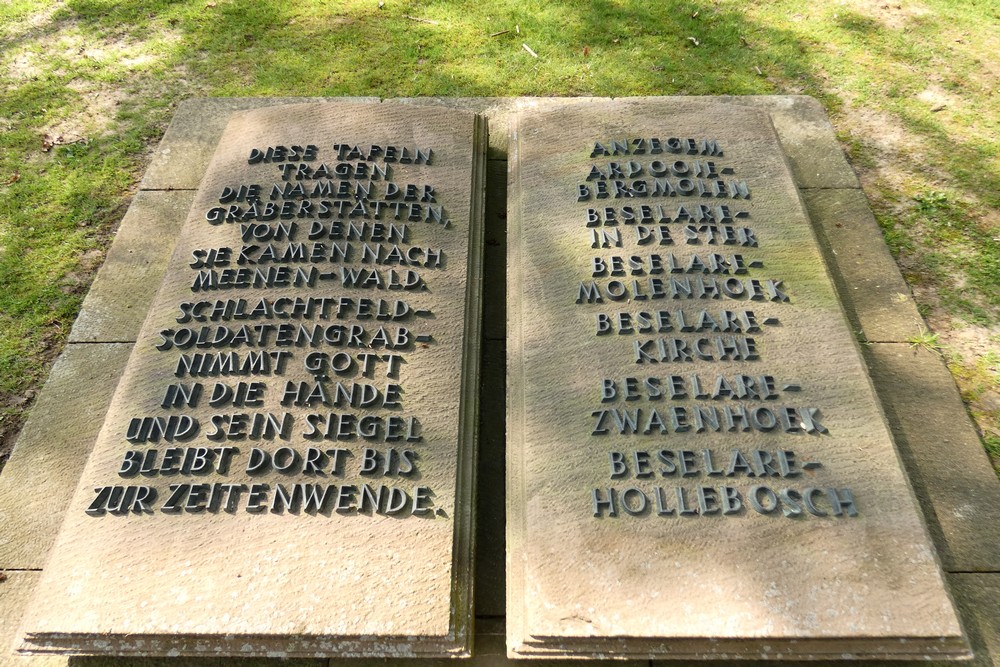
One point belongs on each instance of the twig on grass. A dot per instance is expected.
(417, 18)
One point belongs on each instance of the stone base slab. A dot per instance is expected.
(829, 189)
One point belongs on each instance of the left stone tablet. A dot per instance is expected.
(287, 465)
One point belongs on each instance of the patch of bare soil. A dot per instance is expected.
(94, 113)
(893, 14)
(29, 50)
(977, 350)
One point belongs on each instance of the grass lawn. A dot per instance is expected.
(89, 86)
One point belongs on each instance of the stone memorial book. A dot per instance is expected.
(698, 465)
(287, 466)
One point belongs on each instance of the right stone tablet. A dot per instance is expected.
(698, 465)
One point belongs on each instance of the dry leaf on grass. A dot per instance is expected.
(48, 142)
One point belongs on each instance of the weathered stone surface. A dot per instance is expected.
(490, 652)
(119, 299)
(813, 153)
(15, 591)
(495, 109)
(184, 152)
(357, 539)
(38, 481)
(814, 156)
(873, 292)
(612, 549)
(117, 661)
(948, 466)
(805, 133)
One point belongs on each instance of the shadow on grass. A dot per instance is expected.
(439, 48)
